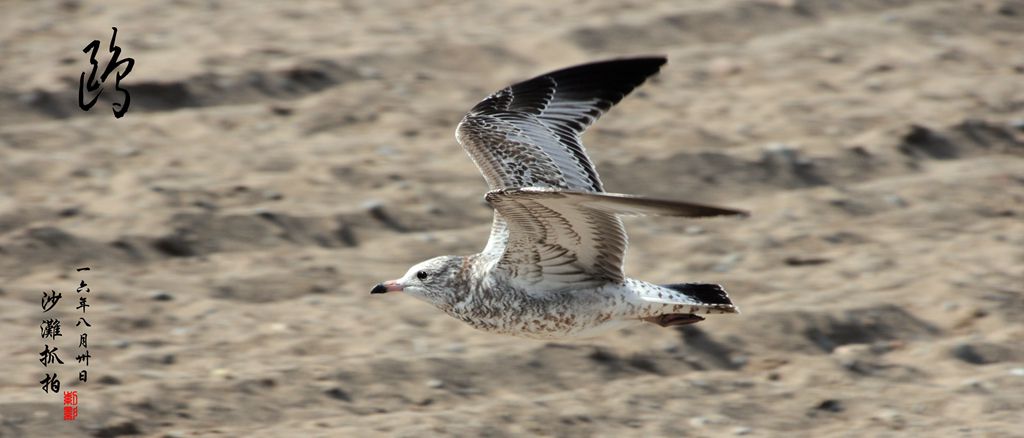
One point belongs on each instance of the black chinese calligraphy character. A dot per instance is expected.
(50, 328)
(92, 85)
(81, 304)
(80, 321)
(83, 376)
(50, 383)
(82, 286)
(84, 357)
(83, 340)
(82, 269)
(49, 301)
(48, 356)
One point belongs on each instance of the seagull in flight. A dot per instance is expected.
(552, 267)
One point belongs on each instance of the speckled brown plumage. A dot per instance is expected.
(552, 267)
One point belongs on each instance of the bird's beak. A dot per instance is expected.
(387, 286)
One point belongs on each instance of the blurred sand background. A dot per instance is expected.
(279, 159)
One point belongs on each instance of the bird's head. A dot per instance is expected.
(434, 281)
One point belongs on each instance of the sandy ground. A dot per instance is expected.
(280, 159)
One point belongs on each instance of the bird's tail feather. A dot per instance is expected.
(688, 301)
(700, 298)
(702, 292)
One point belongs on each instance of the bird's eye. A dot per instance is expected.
(422, 275)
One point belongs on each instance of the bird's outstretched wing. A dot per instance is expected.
(561, 240)
(528, 134)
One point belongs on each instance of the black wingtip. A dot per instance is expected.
(650, 63)
(622, 74)
(709, 211)
(608, 80)
(703, 292)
